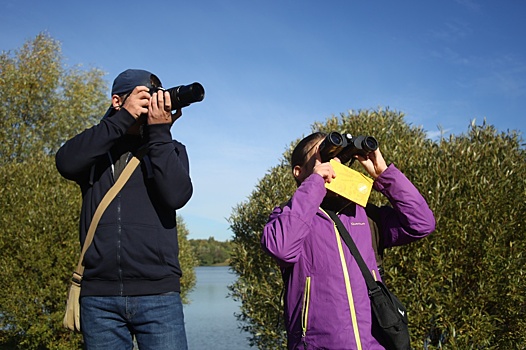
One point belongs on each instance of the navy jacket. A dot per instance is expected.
(135, 248)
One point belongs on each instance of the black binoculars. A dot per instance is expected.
(183, 95)
(345, 147)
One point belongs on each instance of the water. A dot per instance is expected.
(209, 318)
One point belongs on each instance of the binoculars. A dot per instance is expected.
(345, 147)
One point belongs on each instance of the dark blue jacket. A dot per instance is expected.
(135, 248)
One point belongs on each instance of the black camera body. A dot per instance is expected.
(345, 147)
(183, 95)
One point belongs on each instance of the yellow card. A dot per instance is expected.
(350, 184)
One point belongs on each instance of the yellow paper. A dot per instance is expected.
(350, 184)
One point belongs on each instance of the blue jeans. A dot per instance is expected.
(156, 321)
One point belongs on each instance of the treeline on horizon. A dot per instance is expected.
(210, 252)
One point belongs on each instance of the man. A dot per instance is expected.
(323, 308)
(131, 281)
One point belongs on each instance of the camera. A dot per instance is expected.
(345, 147)
(183, 95)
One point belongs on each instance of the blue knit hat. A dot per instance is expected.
(129, 79)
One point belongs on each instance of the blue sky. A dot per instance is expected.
(272, 68)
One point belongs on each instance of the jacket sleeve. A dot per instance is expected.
(75, 158)
(409, 218)
(170, 166)
(287, 227)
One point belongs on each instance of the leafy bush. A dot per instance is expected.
(39, 210)
(39, 244)
(464, 285)
(187, 259)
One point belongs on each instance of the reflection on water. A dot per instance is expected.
(209, 318)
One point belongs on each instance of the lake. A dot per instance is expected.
(209, 318)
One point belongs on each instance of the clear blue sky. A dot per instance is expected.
(272, 68)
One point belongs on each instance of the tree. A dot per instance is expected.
(464, 285)
(187, 259)
(39, 244)
(42, 105)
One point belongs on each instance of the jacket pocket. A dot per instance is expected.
(305, 308)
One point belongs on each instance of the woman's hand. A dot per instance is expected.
(373, 163)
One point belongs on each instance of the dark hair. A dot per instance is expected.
(303, 148)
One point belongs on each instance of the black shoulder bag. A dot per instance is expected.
(389, 313)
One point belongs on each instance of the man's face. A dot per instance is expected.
(118, 102)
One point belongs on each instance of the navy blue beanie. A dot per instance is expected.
(129, 79)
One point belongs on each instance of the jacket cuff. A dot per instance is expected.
(314, 185)
(122, 119)
(385, 178)
(158, 132)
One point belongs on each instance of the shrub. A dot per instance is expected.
(464, 285)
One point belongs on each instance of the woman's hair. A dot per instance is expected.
(302, 149)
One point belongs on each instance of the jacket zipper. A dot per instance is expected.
(348, 288)
(119, 224)
(119, 242)
(305, 309)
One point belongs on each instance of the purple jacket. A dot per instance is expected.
(323, 309)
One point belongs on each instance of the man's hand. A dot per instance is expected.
(374, 163)
(137, 102)
(160, 110)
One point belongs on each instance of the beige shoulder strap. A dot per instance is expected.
(108, 197)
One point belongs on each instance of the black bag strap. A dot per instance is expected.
(369, 280)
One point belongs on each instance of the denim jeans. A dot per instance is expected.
(156, 321)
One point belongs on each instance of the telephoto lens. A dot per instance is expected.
(184, 95)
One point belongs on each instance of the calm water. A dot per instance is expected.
(209, 318)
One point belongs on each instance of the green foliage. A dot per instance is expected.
(39, 244)
(464, 285)
(43, 105)
(187, 259)
(259, 284)
(211, 252)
